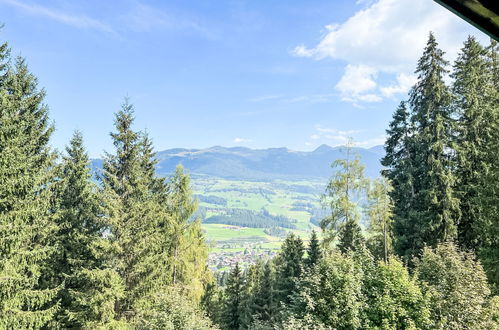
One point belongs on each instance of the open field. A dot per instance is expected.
(231, 243)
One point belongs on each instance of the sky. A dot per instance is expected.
(255, 73)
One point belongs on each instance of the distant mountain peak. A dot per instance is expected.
(323, 148)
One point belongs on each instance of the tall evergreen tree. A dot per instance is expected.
(232, 318)
(264, 299)
(344, 187)
(289, 268)
(488, 193)
(135, 217)
(89, 285)
(314, 252)
(434, 211)
(473, 95)
(251, 282)
(26, 210)
(399, 161)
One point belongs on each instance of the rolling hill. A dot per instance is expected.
(241, 163)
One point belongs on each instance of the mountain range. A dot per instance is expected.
(240, 163)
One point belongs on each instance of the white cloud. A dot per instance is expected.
(241, 140)
(79, 21)
(387, 37)
(356, 82)
(404, 83)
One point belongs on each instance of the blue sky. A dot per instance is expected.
(252, 73)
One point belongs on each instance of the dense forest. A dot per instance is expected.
(124, 252)
(251, 219)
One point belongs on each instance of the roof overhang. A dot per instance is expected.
(483, 14)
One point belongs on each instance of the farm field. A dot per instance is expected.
(295, 201)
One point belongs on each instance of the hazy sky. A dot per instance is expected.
(252, 73)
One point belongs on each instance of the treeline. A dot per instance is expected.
(77, 255)
(211, 199)
(430, 257)
(252, 219)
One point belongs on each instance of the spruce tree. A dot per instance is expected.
(473, 95)
(434, 212)
(488, 194)
(344, 187)
(289, 265)
(89, 285)
(264, 299)
(232, 317)
(399, 166)
(251, 282)
(137, 220)
(27, 227)
(314, 252)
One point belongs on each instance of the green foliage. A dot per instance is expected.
(248, 218)
(487, 193)
(289, 266)
(27, 291)
(171, 310)
(456, 285)
(314, 251)
(232, 314)
(332, 293)
(420, 160)
(82, 266)
(264, 295)
(380, 211)
(187, 250)
(346, 184)
(394, 299)
(136, 219)
(473, 95)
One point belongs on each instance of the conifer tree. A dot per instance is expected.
(380, 210)
(400, 170)
(27, 225)
(89, 285)
(488, 194)
(233, 298)
(251, 282)
(346, 184)
(473, 95)
(136, 218)
(264, 299)
(434, 211)
(289, 268)
(314, 252)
